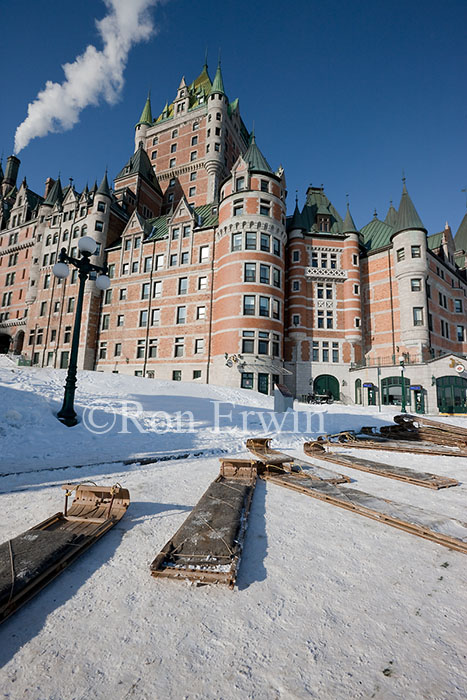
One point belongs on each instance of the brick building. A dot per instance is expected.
(212, 282)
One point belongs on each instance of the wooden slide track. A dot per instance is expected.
(421, 429)
(208, 546)
(432, 481)
(271, 458)
(31, 560)
(370, 439)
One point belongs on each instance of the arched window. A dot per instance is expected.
(358, 391)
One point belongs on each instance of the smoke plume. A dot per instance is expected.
(93, 75)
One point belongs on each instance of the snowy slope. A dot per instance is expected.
(328, 604)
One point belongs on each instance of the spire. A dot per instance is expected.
(349, 225)
(146, 114)
(218, 83)
(94, 187)
(56, 194)
(255, 158)
(407, 216)
(391, 216)
(296, 223)
(103, 188)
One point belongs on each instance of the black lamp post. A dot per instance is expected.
(87, 247)
(403, 387)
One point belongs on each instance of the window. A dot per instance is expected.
(183, 285)
(177, 375)
(122, 295)
(134, 266)
(105, 322)
(179, 348)
(200, 313)
(173, 148)
(416, 285)
(325, 352)
(173, 259)
(315, 352)
(102, 350)
(250, 272)
(329, 319)
(357, 322)
(204, 253)
(217, 147)
(275, 347)
(249, 305)
(264, 207)
(155, 317)
(184, 260)
(45, 261)
(46, 281)
(71, 305)
(99, 226)
(152, 351)
(356, 289)
(247, 380)
(250, 241)
(276, 246)
(181, 314)
(196, 374)
(66, 335)
(193, 176)
(264, 274)
(355, 259)
(194, 140)
(175, 234)
(159, 262)
(186, 231)
(264, 306)
(147, 264)
(236, 241)
(157, 290)
(195, 126)
(417, 316)
(43, 308)
(125, 268)
(415, 251)
(240, 184)
(155, 140)
(154, 155)
(140, 347)
(120, 320)
(400, 254)
(458, 306)
(145, 290)
(265, 242)
(199, 346)
(193, 156)
(296, 256)
(248, 343)
(143, 319)
(264, 186)
(117, 349)
(107, 296)
(202, 283)
(192, 191)
(238, 207)
(174, 133)
(335, 352)
(460, 333)
(172, 162)
(101, 206)
(320, 319)
(275, 309)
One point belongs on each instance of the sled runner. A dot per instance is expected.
(31, 560)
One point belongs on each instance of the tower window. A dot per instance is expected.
(400, 254)
(417, 316)
(416, 285)
(415, 251)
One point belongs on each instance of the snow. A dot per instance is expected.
(328, 604)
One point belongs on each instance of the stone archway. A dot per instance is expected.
(325, 384)
(5, 341)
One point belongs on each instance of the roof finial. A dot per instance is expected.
(403, 176)
(296, 198)
(347, 200)
(71, 182)
(206, 58)
(464, 189)
(375, 214)
(219, 57)
(390, 202)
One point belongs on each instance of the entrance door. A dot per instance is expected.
(391, 391)
(327, 383)
(419, 400)
(451, 394)
(263, 383)
(4, 343)
(371, 396)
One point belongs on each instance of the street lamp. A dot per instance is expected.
(403, 387)
(87, 247)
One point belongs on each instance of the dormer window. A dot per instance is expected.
(324, 223)
(240, 184)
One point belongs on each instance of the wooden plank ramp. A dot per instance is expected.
(443, 530)
(207, 547)
(260, 448)
(368, 438)
(418, 478)
(31, 560)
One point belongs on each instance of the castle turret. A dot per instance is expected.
(215, 135)
(352, 287)
(145, 121)
(410, 265)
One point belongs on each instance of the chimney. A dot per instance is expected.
(49, 183)
(11, 173)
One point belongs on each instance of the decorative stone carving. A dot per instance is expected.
(325, 273)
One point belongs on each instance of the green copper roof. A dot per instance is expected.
(104, 187)
(204, 218)
(317, 202)
(296, 222)
(255, 158)
(218, 83)
(407, 217)
(349, 226)
(391, 216)
(434, 241)
(56, 194)
(33, 199)
(460, 239)
(377, 234)
(146, 114)
(140, 164)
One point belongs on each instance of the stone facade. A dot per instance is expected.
(212, 282)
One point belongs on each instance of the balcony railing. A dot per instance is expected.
(389, 361)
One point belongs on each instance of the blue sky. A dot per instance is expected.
(347, 94)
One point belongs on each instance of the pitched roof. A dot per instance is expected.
(349, 225)
(377, 234)
(33, 199)
(407, 216)
(146, 114)
(204, 218)
(55, 194)
(435, 240)
(460, 239)
(255, 158)
(140, 164)
(316, 201)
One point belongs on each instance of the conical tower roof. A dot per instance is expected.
(407, 216)
(460, 239)
(104, 187)
(296, 223)
(56, 194)
(146, 114)
(218, 83)
(255, 158)
(391, 216)
(349, 224)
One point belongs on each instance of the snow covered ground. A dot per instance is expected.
(328, 604)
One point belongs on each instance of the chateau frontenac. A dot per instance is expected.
(212, 282)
